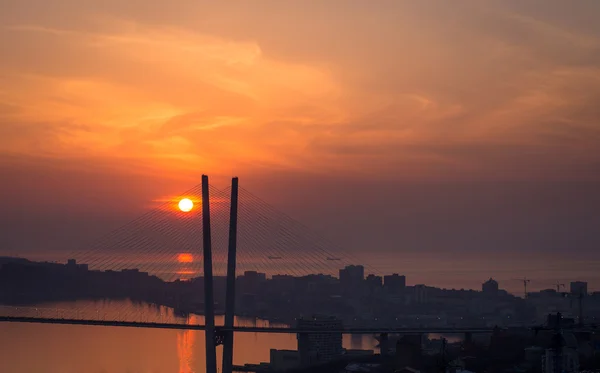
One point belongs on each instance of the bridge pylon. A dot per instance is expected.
(209, 311)
(227, 366)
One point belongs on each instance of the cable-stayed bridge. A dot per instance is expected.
(185, 262)
(225, 232)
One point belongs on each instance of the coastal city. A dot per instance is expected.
(497, 325)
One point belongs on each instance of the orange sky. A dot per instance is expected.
(422, 87)
(115, 104)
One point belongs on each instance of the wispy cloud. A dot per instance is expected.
(485, 76)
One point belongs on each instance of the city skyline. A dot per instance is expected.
(192, 270)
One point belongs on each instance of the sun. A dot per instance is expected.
(186, 205)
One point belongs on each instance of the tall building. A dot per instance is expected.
(394, 283)
(374, 282)
(490, 287)
(282, 360)
(420, 293)
(567, 362)
(315, 348)
(251, 281)
(579, 288)
(72, 264)
(352, 276)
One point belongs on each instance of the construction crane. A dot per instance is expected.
(558, 286)
(525, 281)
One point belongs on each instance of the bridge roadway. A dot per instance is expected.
(245, 329)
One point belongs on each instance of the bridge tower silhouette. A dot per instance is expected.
(225, 338)
(211, 338)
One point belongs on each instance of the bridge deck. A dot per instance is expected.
(245, 329)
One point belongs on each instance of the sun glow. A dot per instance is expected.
(186, 205)
(185, 258)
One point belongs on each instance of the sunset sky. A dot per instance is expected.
(465, 129)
